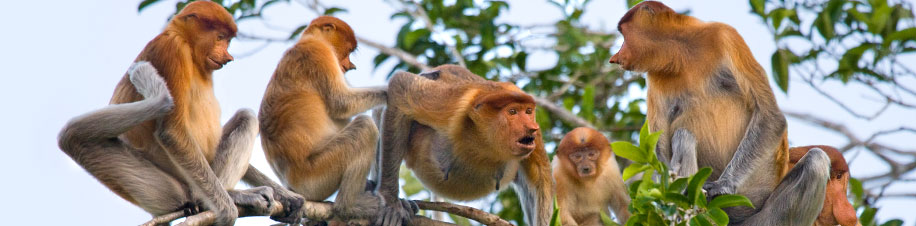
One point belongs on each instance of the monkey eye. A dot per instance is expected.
(575, 156)
(528, 111)
(513, 111)
(591, 154)
(220, 37)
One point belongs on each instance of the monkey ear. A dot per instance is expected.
(189, 16)
(328, 27)
(431, 75)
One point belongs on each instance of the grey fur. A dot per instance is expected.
(93, 141)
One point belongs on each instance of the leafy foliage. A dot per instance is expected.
(864, 38)
(669, 200)
(863, 205)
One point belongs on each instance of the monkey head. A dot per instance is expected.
(208, 27)
(649, 29)
(506, 119)
(582, 152)
(338, 34)
(837, 209)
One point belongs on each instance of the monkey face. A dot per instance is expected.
(507, 118)
(208, 27)
(837, 203)
(585, 161)
(522, 128)
(218, 54)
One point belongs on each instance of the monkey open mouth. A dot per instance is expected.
(526, 144)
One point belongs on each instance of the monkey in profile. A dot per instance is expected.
(308, 132)
(588, 179)
(716, 108)
(837, 209)
(159, 145)
(463, 137)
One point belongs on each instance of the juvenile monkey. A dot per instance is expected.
(588, 179)
(837, 209)
(716, 108)
(463, 137)
(306, 129)
(159, 145)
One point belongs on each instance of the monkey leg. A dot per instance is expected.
(395, 143)
(683, 153)
(92, 141)
(234, 150)
(342, 163)
(232, 162)
(800, 195)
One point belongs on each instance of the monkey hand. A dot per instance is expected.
(719, 187)
(397, 213)
(292, 203)
(254, 201)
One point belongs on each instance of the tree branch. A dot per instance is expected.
(322, 211)
(464, 211)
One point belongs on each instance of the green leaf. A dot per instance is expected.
(757, 7)
(588, 103)
(868, 216)
(633, 169)
(297, 31)
(631, 3)
(678, 199)
(700, 220)
(894, 222)
(780, 65)
(905, 34)
(145, 3)
(607, 221)
(780, 14)
(723, 201)
(628, 151)
(644, 134)
(413, 36)
(333, 10)
(678, 185)
(855, 186)
(555, 218)
(651, 142)
(718, 215)
(521, 61)
(824, 25)
(696, 184)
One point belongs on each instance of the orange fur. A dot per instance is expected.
(466, 137)
(180, 53)
(703, 77)
(308, 132)
(583, 196)
(837, 209)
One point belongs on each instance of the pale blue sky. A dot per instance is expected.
(60, 59)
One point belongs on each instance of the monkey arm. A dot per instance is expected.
(535, 187)
(351, 101)
(429, 102)
(762, 136)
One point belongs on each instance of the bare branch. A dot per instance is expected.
(464, 211)
(562, 113)
(400, 54)
(322, 211)
(880, 150)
